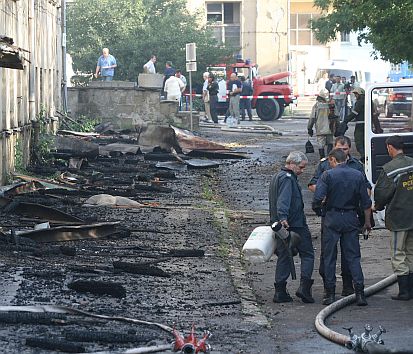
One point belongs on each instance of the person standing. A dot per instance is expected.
(174, 88)
(213, 90)
(234, 89)
(245, 103)
(169, 71)
(287, 207)
(357, 113)
(323, 125)
(338, 194)
(329, 83)
(149, 67)
(344, 144)
(339, 93)
(106, 65)
(179, 75)
(353, 85)
(205, 95)
(394, 190)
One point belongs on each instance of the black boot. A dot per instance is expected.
(411, 285)
(347, 285)
(404, 293)
(322, 153)
(281, 294)
(329, 296)
(329, 148)
(360, 297)
(304, 291)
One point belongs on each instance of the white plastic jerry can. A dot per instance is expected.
(260, 245)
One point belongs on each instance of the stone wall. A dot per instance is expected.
(125, 105)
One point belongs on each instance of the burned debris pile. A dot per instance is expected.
(107, 232)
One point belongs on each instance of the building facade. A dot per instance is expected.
(276, 35)
(257, 27)
(25, 95)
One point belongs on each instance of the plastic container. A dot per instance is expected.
(260, 245)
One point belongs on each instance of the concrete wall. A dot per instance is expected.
(126, 105)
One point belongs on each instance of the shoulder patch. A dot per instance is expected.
(288, 174)
(323, 159)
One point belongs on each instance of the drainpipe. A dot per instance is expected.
(64, 68)
(32, 77)
(32, 67)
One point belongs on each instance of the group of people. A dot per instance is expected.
(342, 200)
(236, 87)
(329, 113)
(174, 83)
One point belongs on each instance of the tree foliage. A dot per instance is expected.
(386, 24)
(133, 30)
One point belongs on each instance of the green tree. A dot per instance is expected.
(135, 29)
(386, 24)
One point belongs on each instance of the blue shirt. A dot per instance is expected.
(343, 187)
(246, 89)
(325, 166)
(108, 61)
(286, 199)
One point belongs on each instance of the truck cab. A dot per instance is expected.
(271, 93)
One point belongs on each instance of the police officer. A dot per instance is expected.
(357, 114)
(394, 189)
(343, 143)
(287, 207)
(338, 194)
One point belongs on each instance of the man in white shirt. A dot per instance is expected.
(205, 95)
(174, 88)
(149, 67)
(339, 94)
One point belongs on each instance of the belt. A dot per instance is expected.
(341, 210)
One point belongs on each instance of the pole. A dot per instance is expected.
(190, 98)
(64, 68)
(32, 67)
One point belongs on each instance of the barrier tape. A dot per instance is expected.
(226, 96)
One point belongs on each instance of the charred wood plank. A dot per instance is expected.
(139, 268)
(45, 318)
(98, 288)
(54, 344)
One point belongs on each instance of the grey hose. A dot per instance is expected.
(338, 305)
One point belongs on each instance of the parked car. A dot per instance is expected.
(398, 101)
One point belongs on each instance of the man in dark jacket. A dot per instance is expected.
(343, 143)
(245, 103)
(213, 90)
(287, 208)
(339, 193)
(394, 190)
(357, 114)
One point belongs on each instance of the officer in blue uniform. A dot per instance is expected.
(287, 207)
(339, 193)
(343, 143)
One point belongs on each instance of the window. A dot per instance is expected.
(300, 31)
(345, 36)
(225, 20)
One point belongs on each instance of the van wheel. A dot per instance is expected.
(268, 109)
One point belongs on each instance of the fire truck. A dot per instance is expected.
(272, 93)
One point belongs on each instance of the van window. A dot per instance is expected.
(335, 72)
(392, 110)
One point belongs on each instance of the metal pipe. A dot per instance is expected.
(338, 305)
(64, 68)
(32, 67)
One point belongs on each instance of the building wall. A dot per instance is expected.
(263, 31)
(15, 123)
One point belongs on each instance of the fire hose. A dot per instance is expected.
(365, 343)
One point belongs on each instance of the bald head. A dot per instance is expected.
(233, 76)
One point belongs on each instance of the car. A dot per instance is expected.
(398, 101)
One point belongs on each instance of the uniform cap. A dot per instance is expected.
(324, 94)
(358, 90)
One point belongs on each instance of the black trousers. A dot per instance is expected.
(213, 100)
